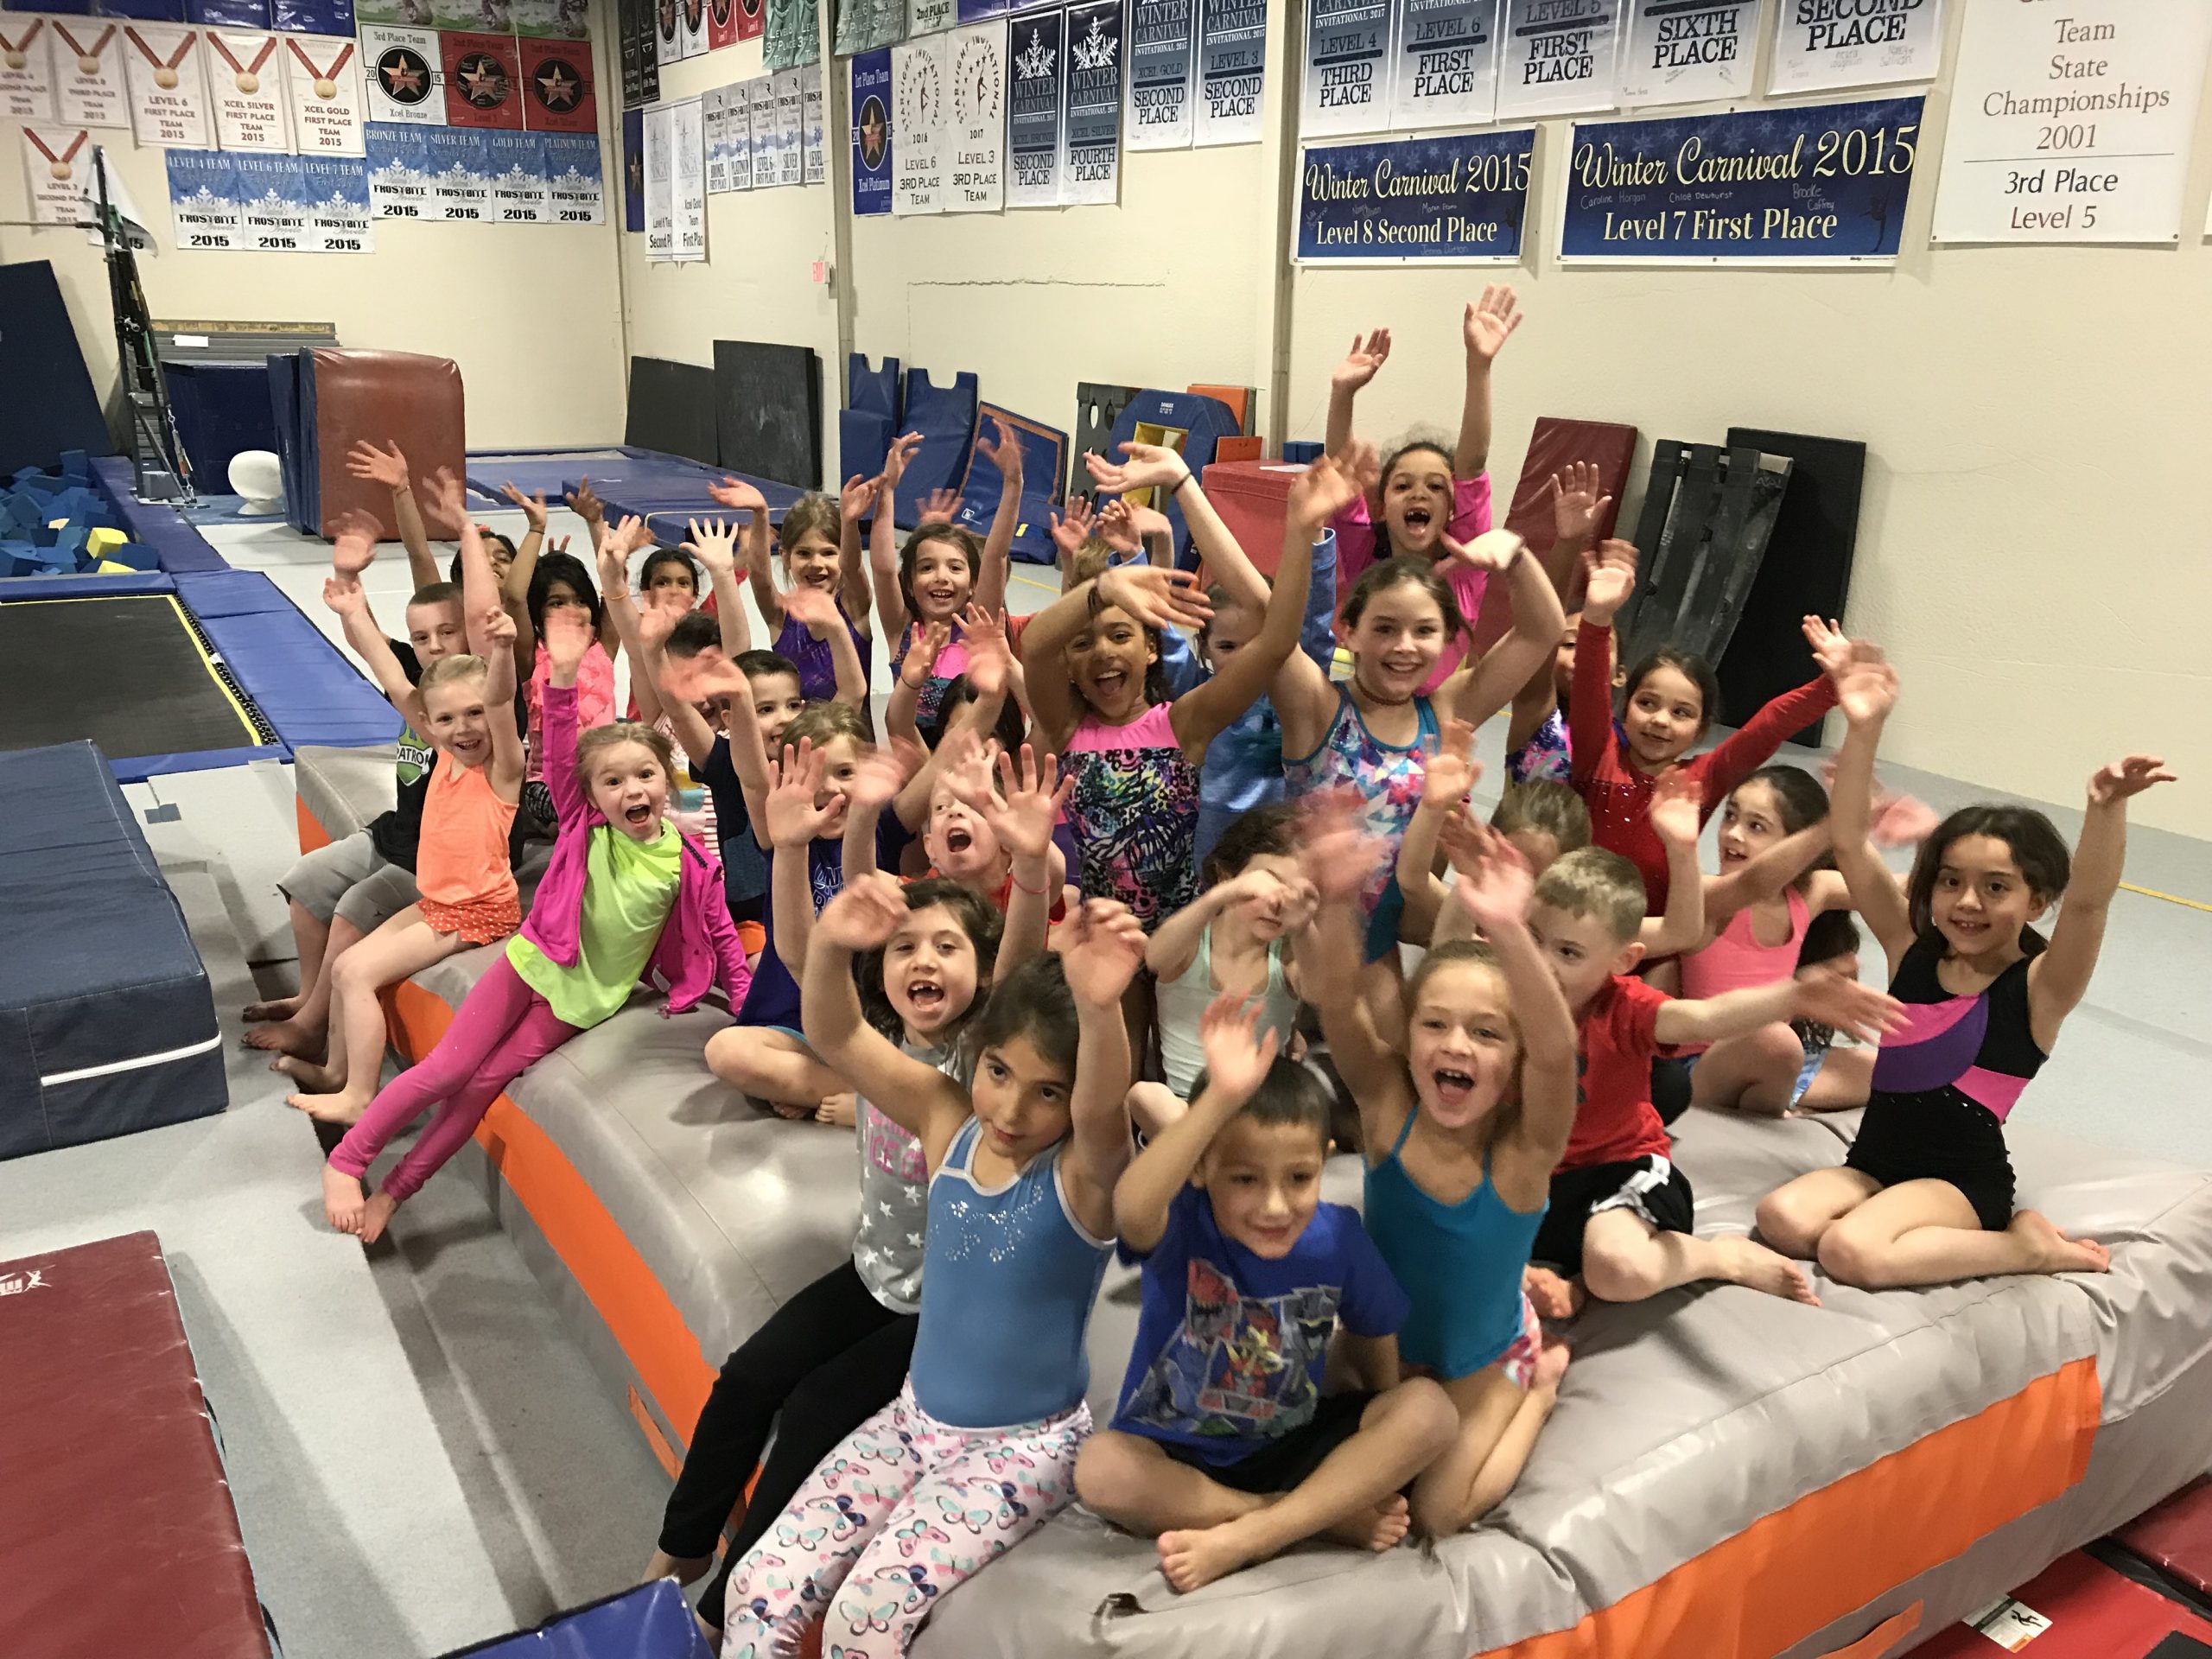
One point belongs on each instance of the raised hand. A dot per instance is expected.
(1238, 1056)
(1362, 361)
(1103, 950)
(1452, 771)
(1499, 886)
(921, 655)
(1862, 1011)
(1831, 650)
(1337, 853)
(1158, 598)
(1611, 567)
(567, 636)
(1900, 820)
(1006, 454)
(791, 812)
(2127, 778)
(1463, 837)
(1866, 689)
(532, 505)
(712, 541)
(656, 623)
(941, 505)
(1494, 550)
(989, 656)
(1117, 526)
(1149, 466)
(1330, 485)
(697, 679)
(584, 502)
(344, 596)
(626, 537)
(1576, 505)
(1023, 815)
(497, 629)
(1673, 810)
(858, 500)
(881, 773)
(354, 548)
(864, 915)
(614, 571)
(738, 496)
(385, 467)
(1490, 321)
(815, 606)
(448, 497)
(1071, 530)
(895, 460)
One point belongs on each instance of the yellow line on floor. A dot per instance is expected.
(2171, 899)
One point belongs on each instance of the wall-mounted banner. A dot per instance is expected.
(1820, 186)
(57, 162)
(574, 188)
(1456, 199)
(761, 122)
(481, 79)
(1347, 68)
(2073, 124)
(1822, 44)
(813, 112)
(633, 154)
(1162, 47)
(204, 200)
(1032, 111)
(869, 102)
(917, 98)
(1090, 160)
(715, 104)
(564, 20)
(721, 27)
(1557, 57)
(402, 67)
(928, 16)
(974, 11)
(1689, 51)
(516, 164)
(556, 80)
(322, 81)
(1443, 63)
(313, 17)
(688, 187)
(27, 70)
(976, 179)
(272, 200)
(1232, 72)
(167, 72)
(660, 200)
(88, 72)
(337, 191)
(694, 42)
(400, 170)
(461, 175)
(245, 78)
(791, 127)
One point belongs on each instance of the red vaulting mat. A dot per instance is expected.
(2076, 1609)
(116, 1524)
(2175, 1537)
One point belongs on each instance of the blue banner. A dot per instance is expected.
(872, 135)
(1825, 184)
(1460, 198)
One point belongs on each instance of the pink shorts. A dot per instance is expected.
(1519, 1361)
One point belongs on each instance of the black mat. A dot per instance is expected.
(1097, 406)
(125, 672)
(52, 406)
(1807, 570)
(768, 411)
(671, 409)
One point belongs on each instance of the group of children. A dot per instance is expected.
(1064, 947)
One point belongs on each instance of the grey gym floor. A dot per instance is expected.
(421, 1458)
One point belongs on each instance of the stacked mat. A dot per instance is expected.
(107, 1025)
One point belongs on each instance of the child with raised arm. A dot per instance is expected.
(1224, 1449)
(464, 876)
(1092, 659)
(1462, 1129)
(941, 569)
(1425, 494)
(978, 1450)
(820, 547)
(1672, 698)
(1926, 1194)
(1537, 744)
(625, 893)
(1621, 1208)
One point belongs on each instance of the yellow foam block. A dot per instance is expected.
(110, 568)
(97, 542)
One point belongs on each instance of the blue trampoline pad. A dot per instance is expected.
(550, 470)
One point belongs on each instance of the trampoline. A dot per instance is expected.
(132, 671)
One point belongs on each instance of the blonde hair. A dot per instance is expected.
(825, 722)
(812, 511)
(598, 739)
(1089, 561)
(1591, 881)
(459, 666)
(1544, 806)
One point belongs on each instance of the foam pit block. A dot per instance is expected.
(103, 541)
(76, 464)
(42, 484)
(24, 510)
(110, 568)
(135, 555)
(945, 416)
(1044, 454)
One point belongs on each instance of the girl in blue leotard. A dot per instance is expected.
(1463, 1123)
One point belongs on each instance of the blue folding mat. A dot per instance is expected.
(1043, 456)
(665, 491)
(650, 1622)
(1187, 422)
(107, 1025)
(870, 418)
(945, 416)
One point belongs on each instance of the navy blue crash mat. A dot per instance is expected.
(107, 1025)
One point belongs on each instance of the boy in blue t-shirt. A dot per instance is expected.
(1224, 1447)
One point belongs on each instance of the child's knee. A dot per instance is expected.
(352, 972)
(732, 1055)
(1111, 1474)
(1783, 1224)
(1850, 1258)
(1615, 1271)
(1429, 1417)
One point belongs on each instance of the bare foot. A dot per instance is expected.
(1551, 1366)
(1190, 1559)
(840, 1108)
(1380, 1527)
(789, 1111)
(2054, 1252)
(376, 1215)
(311, 1075)
(340, 1107)
(281, 1008)
(1553, 1297)
(341, 1200)
(1752, 1264)
(684, 1569)
(287, 1036)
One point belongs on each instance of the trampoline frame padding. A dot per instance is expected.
(107, 1024)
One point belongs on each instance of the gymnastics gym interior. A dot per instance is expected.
(1911, 366)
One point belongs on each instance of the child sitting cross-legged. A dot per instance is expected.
(1225, 1449)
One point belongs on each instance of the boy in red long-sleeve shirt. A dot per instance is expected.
(1671, 698)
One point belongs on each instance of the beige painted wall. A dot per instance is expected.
(530, 314)
(757, 282)
(2032, 542)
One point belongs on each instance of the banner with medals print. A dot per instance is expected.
(57, 162)
(322, 82)
(27, 89)
(89, 83)
(245, 80)
(166, 69)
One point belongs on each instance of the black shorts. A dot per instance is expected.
(1286, 1459)
(1938, 1135)
(1651, 1187)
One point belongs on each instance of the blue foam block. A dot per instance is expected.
(76, 504)
(875, 391)
(38, 485)
(136, 555)
(76, 464)
(945, 416)
(1302, 451)
(863, 442)
(1044, 459)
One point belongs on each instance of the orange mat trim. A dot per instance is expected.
(1803, 1568)
(312, 833)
